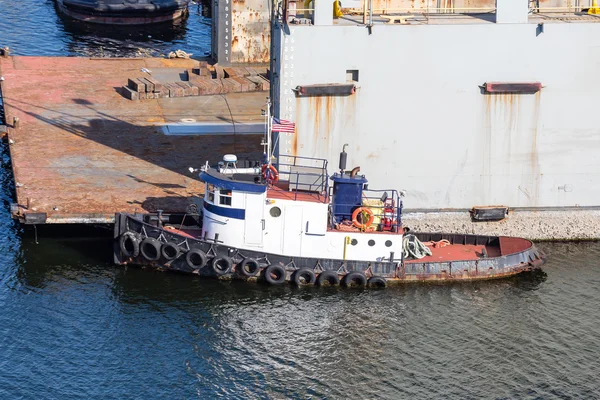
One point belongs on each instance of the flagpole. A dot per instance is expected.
(269, 131)
(265, 114)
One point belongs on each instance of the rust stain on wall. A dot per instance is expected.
(315, 103)
(295, 144)
(509, 146)
(329, 105)
(535, 163)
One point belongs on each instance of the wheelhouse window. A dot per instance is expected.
(210, 192)
(225, 197)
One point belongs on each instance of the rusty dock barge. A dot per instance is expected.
(81, 151)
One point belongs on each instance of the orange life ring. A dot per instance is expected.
(270, 173)
(363, 211)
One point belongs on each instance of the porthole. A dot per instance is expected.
(354, 242)
(388, 243)
(371, 242)
(275, 212)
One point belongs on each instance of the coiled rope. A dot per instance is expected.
(414, 248)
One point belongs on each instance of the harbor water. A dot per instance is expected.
(35, 27)
(74, 326)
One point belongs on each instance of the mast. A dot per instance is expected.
(269, 128)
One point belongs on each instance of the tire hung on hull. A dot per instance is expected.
(129, 245)
(248, 268)
(304, 277)
(275, 274)
(328, 278)
(377, 282)
(150, 249)
(354, 279)
(196, 259)
(170, 251)
(221, 265)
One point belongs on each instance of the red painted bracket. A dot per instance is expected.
(512, 87)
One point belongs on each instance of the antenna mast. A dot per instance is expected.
(269, 128)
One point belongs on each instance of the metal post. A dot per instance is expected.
(159, 218)
(269, 133)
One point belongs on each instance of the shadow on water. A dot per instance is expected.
(63, 252)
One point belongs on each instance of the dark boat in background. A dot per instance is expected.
(119, 12)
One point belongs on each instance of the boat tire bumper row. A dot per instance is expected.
(140, 243)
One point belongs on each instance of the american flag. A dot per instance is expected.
(283, 125)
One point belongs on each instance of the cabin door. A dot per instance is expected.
(292, 231)
(254, 220)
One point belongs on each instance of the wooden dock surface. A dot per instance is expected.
(81, 151)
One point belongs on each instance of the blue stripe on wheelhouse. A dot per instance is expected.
(237, 213)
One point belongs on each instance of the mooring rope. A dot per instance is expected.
(414, 248)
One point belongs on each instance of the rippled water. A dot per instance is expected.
(73, 326)
(34, 27)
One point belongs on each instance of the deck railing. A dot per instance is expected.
(375, 9)
(304, 175)
(385, 205)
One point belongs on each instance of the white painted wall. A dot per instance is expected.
(512, 11)
(420, 122)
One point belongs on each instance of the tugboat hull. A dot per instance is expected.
(140, 12)
(466, 258)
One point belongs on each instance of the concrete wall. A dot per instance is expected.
(420, 122)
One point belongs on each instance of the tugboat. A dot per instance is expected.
(119, 12)
(292, 222)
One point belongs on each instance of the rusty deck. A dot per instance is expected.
(82, 152)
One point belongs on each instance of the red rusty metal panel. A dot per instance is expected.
(512, 87)
(251, 32)
(511, 245)
(333, 89)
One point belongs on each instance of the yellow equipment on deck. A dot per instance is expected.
(337, 10)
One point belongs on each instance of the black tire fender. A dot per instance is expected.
(248, 268)
(150, 249)
(354, 279)
(304, 277)
(129, 245)
(275, 274)
(221, 265)
(327, 278)
(377, 282)
(196, 259)
(170, 251)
